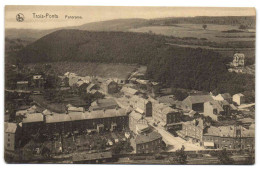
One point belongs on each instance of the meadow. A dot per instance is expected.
(105, 70)
(213, 32)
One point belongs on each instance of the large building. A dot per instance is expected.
(12, 135)
(99, 120)
(148, 143)
(196, 102)
(141, 105)
(213, 109)
(238, 60)
(32, 123)
(103, 104)
(166, 116)
(137, 123)
(229, 137)
(192, 130)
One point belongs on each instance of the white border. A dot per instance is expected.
(186, 3)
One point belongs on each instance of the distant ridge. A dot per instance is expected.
(127, 24)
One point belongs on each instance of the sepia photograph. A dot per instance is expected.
(129, 85)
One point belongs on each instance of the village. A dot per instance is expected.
(91, 119)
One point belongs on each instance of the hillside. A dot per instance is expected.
(128, 24)
(110, 25)
(77, 45)
(174, 66)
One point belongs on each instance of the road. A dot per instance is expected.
(244, 106)
(173, 142)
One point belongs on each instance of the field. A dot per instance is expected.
(213, 32)
(214, 37)
(104, 70)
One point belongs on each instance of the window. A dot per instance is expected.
(8, 145)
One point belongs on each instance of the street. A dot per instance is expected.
(173, 142)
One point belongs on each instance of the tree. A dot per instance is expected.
(224, 157)
(204, 26)
(46, 152)
(181, 157)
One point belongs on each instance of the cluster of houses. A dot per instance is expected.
(217, 108)
(131, 110)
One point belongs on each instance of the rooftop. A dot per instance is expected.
(10, 127)
(129, 90)
(198, 99)
(229, 131)
(147, 137)
(34, 117)
(57, 118)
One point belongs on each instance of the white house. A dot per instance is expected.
(239, 98)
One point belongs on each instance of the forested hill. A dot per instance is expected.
(174, 66)
(78, 45)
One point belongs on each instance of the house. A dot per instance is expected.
(110, 119)
(230, 137)
(92, 158)
(213, 109)
(196, 102)
(102, 104)
(239, 99)
(135, 121)
(129, 91)
(192, 130)
(141, 105)
(12, 136)
(110, 87)
(148, 143)
(238, 60)
(224, 96)
(166, 116)
(38, 81)
(22, 85)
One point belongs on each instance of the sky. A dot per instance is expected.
(94, 14)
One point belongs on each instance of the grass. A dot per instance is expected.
(195, 30)
(105, 70)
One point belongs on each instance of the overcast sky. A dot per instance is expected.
(93, 14)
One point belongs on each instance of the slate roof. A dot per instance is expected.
(228, 131)
(55, 118)
(10, 127)
(34, 117)
(129, 90)
(135, 115)
(140, 139)
(197, 99)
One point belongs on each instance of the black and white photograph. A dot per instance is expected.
(129, 85)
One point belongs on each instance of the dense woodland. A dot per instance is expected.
(174, 66)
